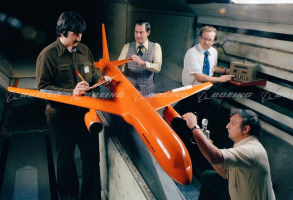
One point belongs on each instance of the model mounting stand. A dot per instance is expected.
(204, 129)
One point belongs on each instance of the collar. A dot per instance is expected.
(61, 48)
(145, 44)
(202, 50)
(242, 142)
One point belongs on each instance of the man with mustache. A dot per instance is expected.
(242, 172)
(146, 56)
(56, 70)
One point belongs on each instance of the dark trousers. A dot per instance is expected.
(68, 130)
(213, 186)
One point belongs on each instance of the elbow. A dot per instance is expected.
(200, 79)
(157, 70)
(216, 160)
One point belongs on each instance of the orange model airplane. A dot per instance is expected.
(140, 112)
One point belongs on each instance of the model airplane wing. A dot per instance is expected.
(82, 101)
(161, 100)
(138, 111)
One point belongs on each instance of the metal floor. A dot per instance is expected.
(27, 167)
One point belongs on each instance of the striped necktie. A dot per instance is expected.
(140, 50)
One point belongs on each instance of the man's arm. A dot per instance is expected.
(45, 77)
(205, 78)
(221, 171)
(192, 63)
(211, 152)
(223, 71)
(155, 66)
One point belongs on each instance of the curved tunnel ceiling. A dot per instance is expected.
(28, 26)
(271, 13)
(163, 5)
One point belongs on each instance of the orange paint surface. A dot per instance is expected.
(140, 112)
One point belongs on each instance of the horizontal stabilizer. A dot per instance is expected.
(114, 63)
(161, 100)
(120, 62)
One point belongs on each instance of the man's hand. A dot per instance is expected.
(191, 119)
(80, 88)
(106, 79)
(138, 60)
(225, 78)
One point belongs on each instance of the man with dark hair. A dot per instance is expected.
(69, 21)
(146, 56)
(55, 70)
(246, 165)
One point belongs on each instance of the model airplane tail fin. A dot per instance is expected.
(106, 57)
(105, 61)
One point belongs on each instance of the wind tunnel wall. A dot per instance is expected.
(154, 183)
(261, 34)
(5, 68)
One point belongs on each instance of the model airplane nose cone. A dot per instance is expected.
(183, 172)
(187, 176)
(184, 179)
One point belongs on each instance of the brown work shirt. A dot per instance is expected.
(55, 69)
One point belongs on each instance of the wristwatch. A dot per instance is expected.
(195, 127)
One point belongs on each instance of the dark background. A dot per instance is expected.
(42, 16)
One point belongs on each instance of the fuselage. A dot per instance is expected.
(159, 137)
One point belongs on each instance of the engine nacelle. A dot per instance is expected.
(172, 117)
(93, 122)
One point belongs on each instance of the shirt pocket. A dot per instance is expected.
(87, 69)
(64, 73)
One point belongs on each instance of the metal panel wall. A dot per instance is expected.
(5, 68)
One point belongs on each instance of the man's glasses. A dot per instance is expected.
(207, 40)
